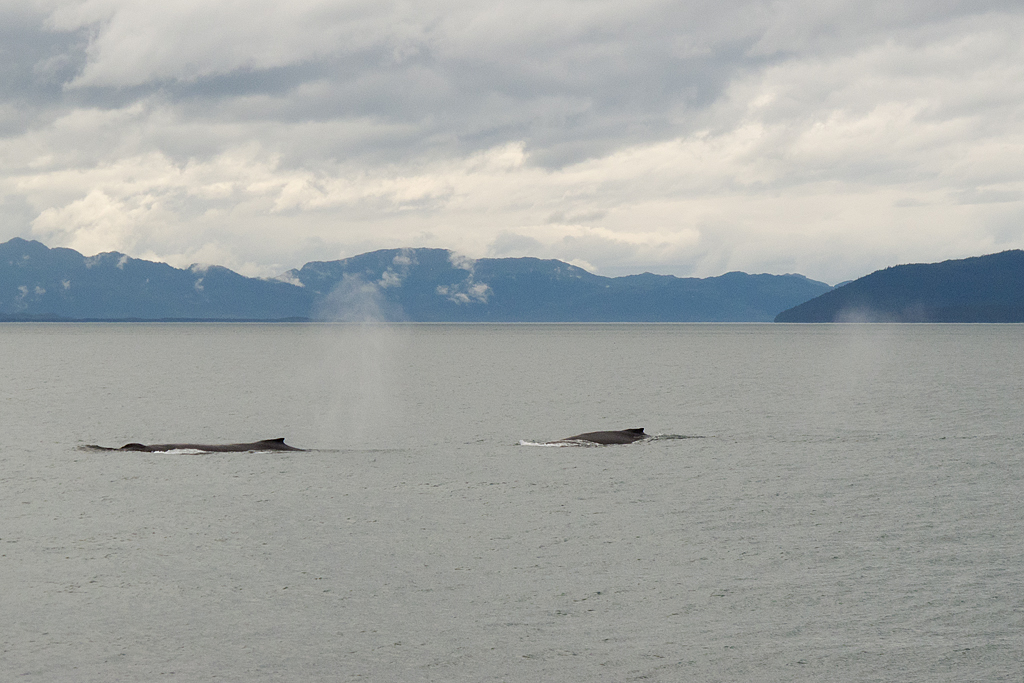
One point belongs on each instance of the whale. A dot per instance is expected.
(622, 436)
(265, 445)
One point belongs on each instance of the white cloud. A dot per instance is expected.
(134, 43)
(398, 270)
(466, 292)
(94, 223)
(797, 136)
(289, 278)
(461, 262)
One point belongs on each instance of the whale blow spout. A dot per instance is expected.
(623, 436)
(265, 445)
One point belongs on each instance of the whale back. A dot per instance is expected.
(622, 436)
(277, 444)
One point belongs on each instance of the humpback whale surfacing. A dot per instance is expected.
(265, 445)
(623, 436)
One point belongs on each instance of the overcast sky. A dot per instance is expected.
(824, 137)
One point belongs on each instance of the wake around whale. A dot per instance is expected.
(255, 446)
(623, 436)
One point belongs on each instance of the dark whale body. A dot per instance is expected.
(265, 445)
(610, 438)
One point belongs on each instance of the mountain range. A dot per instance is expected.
(988, 289)
(437, 285)
(417, 285)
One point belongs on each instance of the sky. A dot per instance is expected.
(829, 138)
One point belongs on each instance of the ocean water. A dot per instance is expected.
(847, 509)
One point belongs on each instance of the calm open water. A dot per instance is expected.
(851, 511)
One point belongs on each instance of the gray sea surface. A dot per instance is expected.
(848, 509)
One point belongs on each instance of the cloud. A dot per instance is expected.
(289, 278)
(511, 244)
(469, 290)
(795, 136)
(466, 292)
(398, 270)
(461, 261)
(94, 223)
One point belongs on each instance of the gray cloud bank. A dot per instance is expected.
(688, 138)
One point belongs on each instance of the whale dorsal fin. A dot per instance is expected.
(279, 439)
(637, 430)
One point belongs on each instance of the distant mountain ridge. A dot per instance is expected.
(418, 285)
(438, 285)
(39, 282)
(977, 289)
